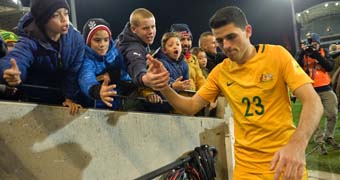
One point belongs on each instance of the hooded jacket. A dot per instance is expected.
(95, 65)
(134, 51)
(41, 64)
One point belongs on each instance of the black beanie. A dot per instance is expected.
(181, 28)
(92, 26)
(42, 10)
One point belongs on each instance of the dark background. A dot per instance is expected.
(271, 19)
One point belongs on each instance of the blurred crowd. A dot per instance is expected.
(48, 61)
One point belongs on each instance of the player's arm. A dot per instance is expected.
(291, 157)
(311, 113)
(186, 105)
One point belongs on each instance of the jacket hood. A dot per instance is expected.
(28, 28)
(127, 36)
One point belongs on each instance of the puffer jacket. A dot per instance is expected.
(95, 65)
(41, 64)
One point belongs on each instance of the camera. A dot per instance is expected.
(309, 47)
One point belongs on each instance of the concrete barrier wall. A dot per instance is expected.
(45, 142)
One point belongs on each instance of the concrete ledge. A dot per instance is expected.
(45, 142)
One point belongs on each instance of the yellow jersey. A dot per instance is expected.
(257, 92)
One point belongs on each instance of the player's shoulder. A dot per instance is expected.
(265, 48)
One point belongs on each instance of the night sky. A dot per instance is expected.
(271, 19)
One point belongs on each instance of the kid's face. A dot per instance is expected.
(100, 42)
(202, 59)
(59, 22)
(146, 30)
(173, 48)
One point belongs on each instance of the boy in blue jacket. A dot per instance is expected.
(172, 59)
(102, 63)
(48, 55)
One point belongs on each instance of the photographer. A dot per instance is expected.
(317, 64)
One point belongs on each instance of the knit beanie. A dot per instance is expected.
(92, 26)
(42, 10)
(8, 36)
(315, 37)
(182, 29)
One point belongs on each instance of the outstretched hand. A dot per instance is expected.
(12, 75)
(106, 91)
(154, 98)
(157, 77)
(180, 84)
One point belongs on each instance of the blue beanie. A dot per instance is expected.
(315, 37)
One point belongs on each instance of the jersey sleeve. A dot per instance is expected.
(292, 72)
(210, 90)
